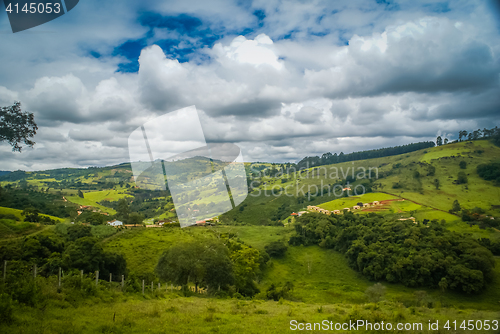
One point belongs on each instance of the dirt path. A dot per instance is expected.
(45, 227)
(425, 205)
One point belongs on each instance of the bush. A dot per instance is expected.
(9, 216)
(276, 249)
(463, 164)
(462, 178)
(6, 309)
(375, 292)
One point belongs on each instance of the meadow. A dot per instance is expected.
(171, 313)
(324, 285)
(318, 275)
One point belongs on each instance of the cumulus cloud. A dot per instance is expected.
(305, 79)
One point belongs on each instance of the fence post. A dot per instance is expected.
(34, 271)
(81, 275)
(4, 269)
(96, 277)
(59, 277)
(151, 286)
(110, 275)
(143, 287)
(171, 288)
(159, 286)
(123, 281)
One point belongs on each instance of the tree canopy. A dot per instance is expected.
(202, 262)
(395, 251)
(16, 126)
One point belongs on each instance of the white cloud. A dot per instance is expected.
(403, 76)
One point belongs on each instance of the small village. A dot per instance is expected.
(358, 206)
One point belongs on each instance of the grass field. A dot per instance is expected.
(319, 275)
(174, 314)
(18, 213)
(349, 202)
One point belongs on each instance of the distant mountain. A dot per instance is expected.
(4, 172)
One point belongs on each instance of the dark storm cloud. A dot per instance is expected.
(281, 79)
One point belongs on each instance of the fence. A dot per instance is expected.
(122, 281)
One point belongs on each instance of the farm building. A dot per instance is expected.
(347, 209)
(375, 203)
(411, 218)
(366, 205)
(300, 213)
(336, 212)
(294, 214)
(356, 207)
(115, 223)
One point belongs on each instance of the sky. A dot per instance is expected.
(280, 79)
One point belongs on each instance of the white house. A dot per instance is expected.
(115, 223)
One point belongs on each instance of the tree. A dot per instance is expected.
(31, 215)
(202, 262)
(446, 141)
(456, 206)
(431, 170)
(463, 164)
(437, 183)
(246, 267)
(16, 126)
(439, 141)
(461, 134)
(276, 249)
(80, 193)
(122, 210)
(135, 218)
(462, 178)
(78, 231)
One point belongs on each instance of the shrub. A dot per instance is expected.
(6, 309)
(462, 178)
(276, 249)
(375, 292)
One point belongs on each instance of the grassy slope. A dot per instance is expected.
(173, 314)
(349, 202)
(446, 159)
(18, 213)
(92, 197)
(331, 280)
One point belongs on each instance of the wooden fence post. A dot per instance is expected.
(110, 275)
(151, 287)
(4, 269)
(123, 281)
(143, 287)
(96, 277)
(81, 275)
(59, 277)
(159, 286)
(34, 271)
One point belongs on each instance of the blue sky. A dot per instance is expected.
(282, 79)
